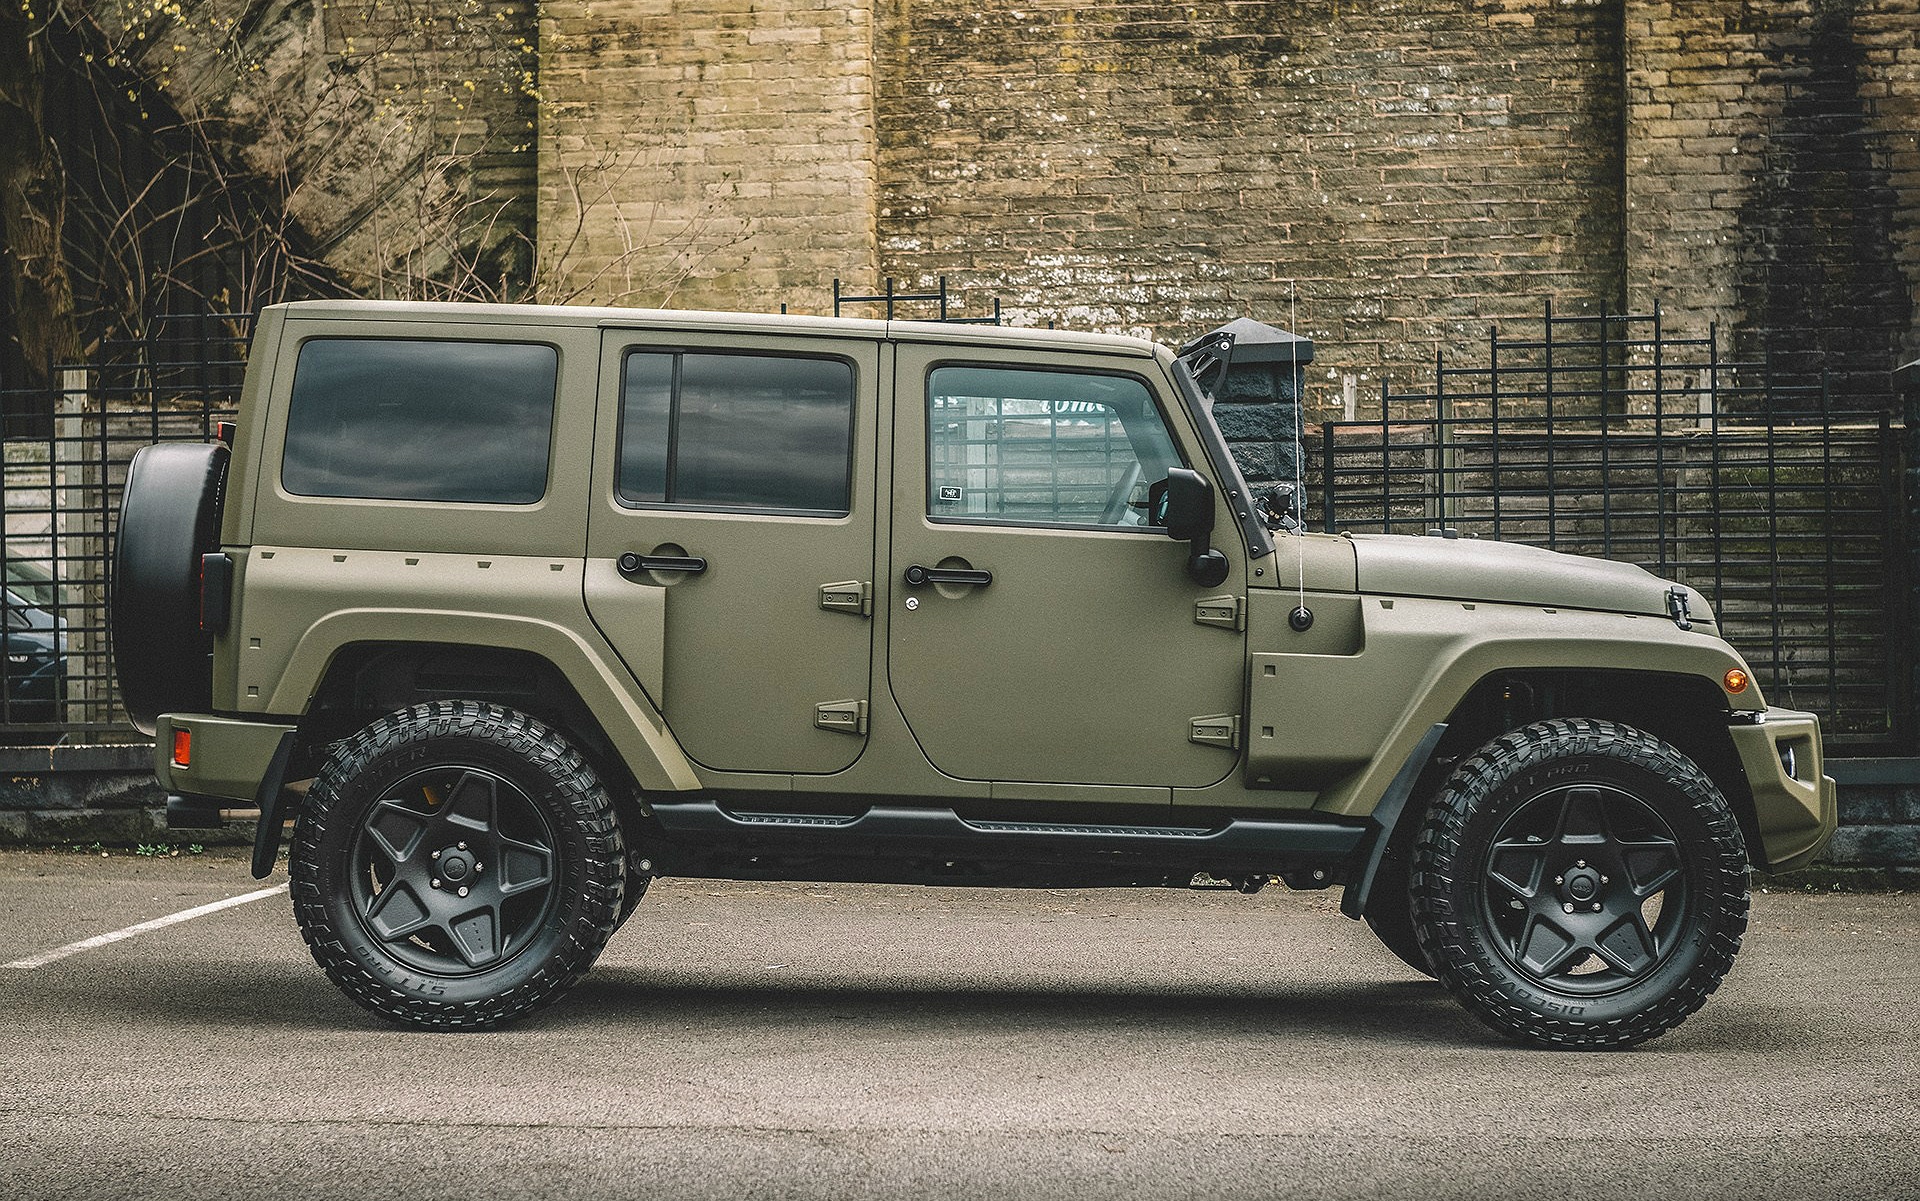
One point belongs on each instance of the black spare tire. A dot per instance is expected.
(169, 517)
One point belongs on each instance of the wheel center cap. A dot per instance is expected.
(454, 866)
(1582, 887)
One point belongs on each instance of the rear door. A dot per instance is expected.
(1081, 661)
(730, 549)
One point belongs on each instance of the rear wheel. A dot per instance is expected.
(456, 865)
(1581, 884)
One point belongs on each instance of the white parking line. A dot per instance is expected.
(172, 919)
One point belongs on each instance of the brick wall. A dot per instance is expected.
(391, 133)
(723, 150)
(1773, 177)
(1417, 168)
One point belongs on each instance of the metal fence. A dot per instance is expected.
(68, 442)
(1607, 435)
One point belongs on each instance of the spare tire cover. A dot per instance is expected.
(169, 517)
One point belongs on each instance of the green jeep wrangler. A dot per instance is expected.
(548, 602)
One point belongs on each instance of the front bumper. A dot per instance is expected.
(1794, 801)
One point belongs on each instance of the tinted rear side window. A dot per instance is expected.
(737, 431)
(397, 419)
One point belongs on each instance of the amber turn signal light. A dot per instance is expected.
(1734, 681)
(182, 748)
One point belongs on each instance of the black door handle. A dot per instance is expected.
(632, 564)
(918, 575)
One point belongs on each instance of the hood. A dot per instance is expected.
(1507, 573)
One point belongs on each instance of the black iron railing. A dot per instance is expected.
(1601, 435)
(889, 298)
(68, 441)
(1607, 435)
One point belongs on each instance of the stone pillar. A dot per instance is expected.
(1259, 412)
(1257, 406)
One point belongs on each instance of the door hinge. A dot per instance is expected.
(842, 717)
(849, 596)
(1227, 612)
(1222, 729)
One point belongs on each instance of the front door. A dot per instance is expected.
(730, 552)
(1080, 660)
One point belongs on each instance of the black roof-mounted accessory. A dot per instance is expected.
(890, 298)
(1242, 340)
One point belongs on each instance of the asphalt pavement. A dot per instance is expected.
(841, 1041)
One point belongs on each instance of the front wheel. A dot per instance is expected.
(1580, 884)
(456, 865)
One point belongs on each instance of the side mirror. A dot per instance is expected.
(1183, 503)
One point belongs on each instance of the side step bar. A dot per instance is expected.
(890, 839)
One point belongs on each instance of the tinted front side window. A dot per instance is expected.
(736, 431)
(1047, 447)
(396, 419)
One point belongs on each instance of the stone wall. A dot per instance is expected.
(711, 153)
(1412, 169)
(1388, 178)
(395, 137)
(1773, 177)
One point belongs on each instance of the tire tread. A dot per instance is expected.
(1446, 935)
(572, 779)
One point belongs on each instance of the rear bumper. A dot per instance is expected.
(1794, 800)
(230, 758)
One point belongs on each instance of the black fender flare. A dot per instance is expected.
(1384, 818)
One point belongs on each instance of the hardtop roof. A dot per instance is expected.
(690, 319)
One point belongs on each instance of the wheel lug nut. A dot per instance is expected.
(1603, 880)
(463, 846)
(436, 854)
(477, 866)
(463, 892)
(433, 884)
(1596, 904)
(1559, 879)
(1569, 906)
(1581, 863)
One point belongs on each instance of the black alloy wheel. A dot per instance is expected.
(456, 865)
(454, 870)
(1579, 883)
(1585, 890)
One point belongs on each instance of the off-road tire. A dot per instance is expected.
(1659, 815)
(488, 753)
